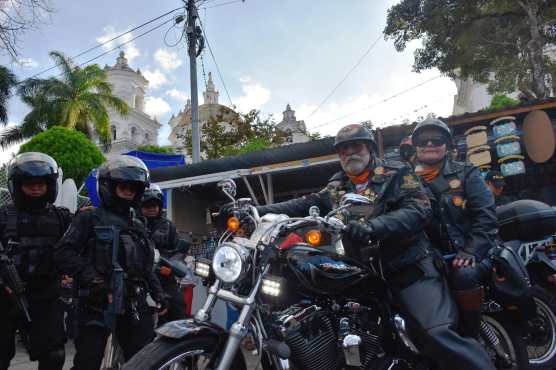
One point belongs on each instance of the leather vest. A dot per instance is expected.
(135, 250)
(32, 236)
(160, 234)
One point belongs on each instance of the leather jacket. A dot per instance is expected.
(400, 209)
(464, 210)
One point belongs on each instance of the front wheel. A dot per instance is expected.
(196, 353)
(504, 343)
(541, 339)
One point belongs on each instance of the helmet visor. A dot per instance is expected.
(127, 168)
(33, 165)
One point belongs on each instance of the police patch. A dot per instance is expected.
(410, 182)
(454, 184)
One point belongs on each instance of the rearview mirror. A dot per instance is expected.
(228, 187)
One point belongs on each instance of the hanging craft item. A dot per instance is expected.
(478, 150)
(503, 126)
(480, 156)
(507, 145)
(512, 165)
(538, 136)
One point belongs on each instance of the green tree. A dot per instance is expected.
(155, 149)
(78, 99)
(477, 38)
(73, 151)
(501, 101)
(242, 133)
(7, 83)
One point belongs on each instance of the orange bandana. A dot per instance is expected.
(428, 175)
(360, 179)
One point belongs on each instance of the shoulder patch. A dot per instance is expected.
(410, 182)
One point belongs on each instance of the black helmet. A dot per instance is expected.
(121, 169)
(433, 123)
(355, 132)
(153, 195)
(32, 165)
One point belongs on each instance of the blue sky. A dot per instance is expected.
(270, 52)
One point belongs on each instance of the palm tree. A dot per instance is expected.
(7, 82)
(77, 99)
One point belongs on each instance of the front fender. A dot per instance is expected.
(181, 329)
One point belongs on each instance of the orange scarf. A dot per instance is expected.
(360, 179)
(428, 175)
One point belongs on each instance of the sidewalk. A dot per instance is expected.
(21, 360)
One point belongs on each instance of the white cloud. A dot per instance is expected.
(155, 78)
(168, 60)
(156, 107)
(28, 63)
(178, 95)
(131, 51)
(254, 95)
(433, 97)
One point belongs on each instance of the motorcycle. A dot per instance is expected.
(307, 305)
(528, 227)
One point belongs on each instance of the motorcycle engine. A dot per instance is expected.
(317, 339)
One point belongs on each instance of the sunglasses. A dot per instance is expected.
(435, 141)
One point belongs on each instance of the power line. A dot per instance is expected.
(345, 77)
(108, 41)
(222, 4)
(378, 102)
(215, 63)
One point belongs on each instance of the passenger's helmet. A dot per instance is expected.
(32, 165)
(407, 149)
(153, 195)
(433, 123)
(355, 132)
(121, 169)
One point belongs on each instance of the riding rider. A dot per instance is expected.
(395, 219)
(464, 219)
(85, 252)
(30, 227)
(166, 239)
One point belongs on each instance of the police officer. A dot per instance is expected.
(496, 183)
(85, 252)
(166, 239)
(395, 220)
(30, 227)
(464, 219)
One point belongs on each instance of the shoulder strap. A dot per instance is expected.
(11, 224)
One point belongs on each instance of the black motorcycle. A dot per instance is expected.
(307, 305)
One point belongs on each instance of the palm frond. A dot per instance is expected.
(7, 82)
(10, 136)
(65, 64)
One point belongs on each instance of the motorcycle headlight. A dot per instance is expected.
(229, 262)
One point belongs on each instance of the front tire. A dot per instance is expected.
(511, 343)
(168, 354)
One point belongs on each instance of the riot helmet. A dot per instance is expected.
(28, 166)
(119, 170)
(153, 195)
(435, 123)
(355, 132)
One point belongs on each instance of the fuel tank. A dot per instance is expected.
(324, 273)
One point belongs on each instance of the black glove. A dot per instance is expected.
(359, 232)
(162, 303)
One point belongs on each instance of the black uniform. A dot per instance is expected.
(166, 239)
(396, 220)
(35, 231)
(82, 255)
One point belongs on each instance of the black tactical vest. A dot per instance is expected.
(31, 236)
(160, 234)
(135, 249)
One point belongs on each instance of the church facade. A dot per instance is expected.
(137, 128)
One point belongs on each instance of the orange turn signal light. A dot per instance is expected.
(233, 224)
(165, 271)
(313, 237)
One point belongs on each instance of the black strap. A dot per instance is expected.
(11, 224)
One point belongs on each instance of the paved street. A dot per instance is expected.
(21, 360)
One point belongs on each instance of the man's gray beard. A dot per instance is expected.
(356, 165)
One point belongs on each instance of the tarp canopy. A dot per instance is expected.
(151, 160)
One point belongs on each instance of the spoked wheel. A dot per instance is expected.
(199, 353)
(541, 338)
(504, 344)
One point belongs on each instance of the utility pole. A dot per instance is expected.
(195, 42)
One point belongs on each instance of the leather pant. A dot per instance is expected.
(428, 304)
